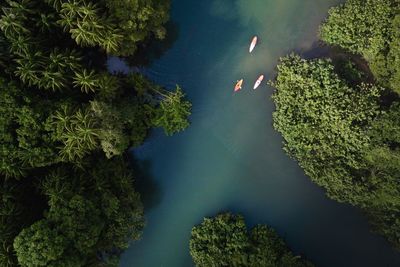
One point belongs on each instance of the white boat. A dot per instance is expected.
(258, 82)
(253, 43)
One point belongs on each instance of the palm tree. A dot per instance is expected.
(111, 42)
(70, 8)
(45, 22)
(21, 45)
(29, 67)
(86, 26)
(59, 121)
(62, 117)
(108, 86)
(11, 24)
(87, 81)
(66, 22)
(56, 4)
(22, 7)
(57, 60)
(52, 80)
(80, 136)
(87, 33)
(89, 11)
(27, 71)
(73, 59)
(54, 186)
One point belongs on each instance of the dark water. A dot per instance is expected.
(231, 158)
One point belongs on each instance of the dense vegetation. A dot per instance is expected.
(66, 187)
(343, 131)
(370, 28)
(225, 241)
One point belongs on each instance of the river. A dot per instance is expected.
(231, 158)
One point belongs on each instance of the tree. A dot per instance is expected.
(225, 241)
(220, 241)
(113, 140)
(324, 123)
(393, 57)
(342, 137)
(95, 208)
(11, 22)
(78, 219)
(78, 132)
(173, 112)
(10, 221)
(77, 206)
(88, 25)
(29, 67)
(86, 80)
(25, 143)
(383, 159)
(369, 28)
(39, 245)
(138, 20)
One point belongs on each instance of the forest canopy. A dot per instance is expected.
(341, 128)
(371, 29)
(225, 241)
(66, 184)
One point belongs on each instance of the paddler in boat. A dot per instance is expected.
(238, 85)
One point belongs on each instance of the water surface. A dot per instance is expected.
(231, 158)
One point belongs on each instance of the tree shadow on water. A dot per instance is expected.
(145, 184)
(154, 49)
(350, 67)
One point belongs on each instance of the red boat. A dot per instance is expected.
(238, 85)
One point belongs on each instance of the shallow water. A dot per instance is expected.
(231, 157)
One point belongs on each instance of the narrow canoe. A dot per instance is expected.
(238, 85)
(253, 43)
(258, 82)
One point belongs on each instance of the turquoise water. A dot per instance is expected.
(231, 157)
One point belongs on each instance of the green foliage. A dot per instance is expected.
(78, 220)
(266, 246)
(220, 241)
(383, 159)
(173, 112)
(137, 19)
(342, 138)
(137, 118)
(77, 132)
(349, 72)
(93, 210)
(225, 241)
(112, 137)
(361, 164)
(369, 28)
(393, 58)
(25, 142)
(65, 123)
(88, 26)
(324, 123)
(10, 213)
(39, 245)
(115, 26)
(170, 110)
(107, 86)
(85, 80)
(52, 71)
